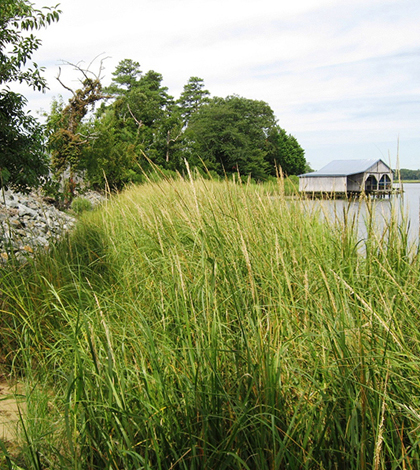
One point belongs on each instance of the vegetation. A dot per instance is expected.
(202, 324)
(140, 126)
(65, 140)
(193, 97)
(409, 175)
(23, 161)
(81, 204)
(240, 135)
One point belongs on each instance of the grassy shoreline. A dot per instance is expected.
(201, 324)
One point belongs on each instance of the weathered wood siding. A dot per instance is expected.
(355, 182)
(323, 184)
(380, 167)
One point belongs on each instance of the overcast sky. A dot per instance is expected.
(342, 76)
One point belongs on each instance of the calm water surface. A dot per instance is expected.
(411, 198)
(405, 206)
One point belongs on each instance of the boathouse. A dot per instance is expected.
(348, 177)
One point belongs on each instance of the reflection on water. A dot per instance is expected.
(405, 207)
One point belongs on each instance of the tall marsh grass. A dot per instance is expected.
(206, 325)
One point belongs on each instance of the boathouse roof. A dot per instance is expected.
(344, 168)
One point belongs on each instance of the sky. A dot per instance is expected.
(342, 76)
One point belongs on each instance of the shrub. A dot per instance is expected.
(81, 204)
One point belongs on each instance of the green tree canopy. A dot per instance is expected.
(126, 76)
(407, 174)
(236, 134)
(140, 119)
(22, 158)
(285, 152)
(193, 97)
(142, 126)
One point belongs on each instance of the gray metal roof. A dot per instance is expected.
(344, 168)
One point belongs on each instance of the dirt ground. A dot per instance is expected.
(11, 401)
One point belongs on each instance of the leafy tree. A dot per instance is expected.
(169, 140)
(193, 97)
(17, 18)
(230, 134)
(141, 105)
(143, 119)
(149, 99)
(111, 158)
(125, 78)
(285, 152)
(225, 135)
(236, 134)
(22, 158)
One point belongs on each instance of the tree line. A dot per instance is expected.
(117, 134)
(138, 125)
(409, 175)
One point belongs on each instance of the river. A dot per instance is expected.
(405, 206)
(411, 199)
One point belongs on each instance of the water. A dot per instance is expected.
(405, 207)
(411, 199)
